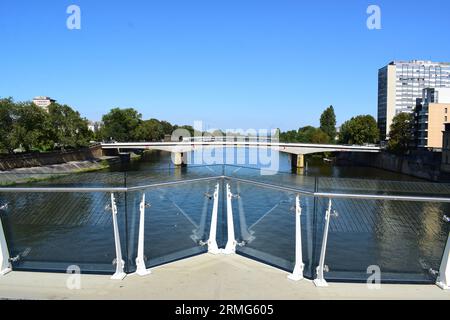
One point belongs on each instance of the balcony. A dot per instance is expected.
(323, 229)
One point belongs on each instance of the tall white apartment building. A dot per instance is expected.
(401, 83)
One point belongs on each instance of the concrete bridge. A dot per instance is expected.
(296, 150)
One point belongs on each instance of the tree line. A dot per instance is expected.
(25, 127)
(359, 130)
(127, 125)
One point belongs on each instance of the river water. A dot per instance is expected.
(315, 166)
(405, 240)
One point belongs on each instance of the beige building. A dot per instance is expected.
(400, 83)
(43, 102)
(432, 114)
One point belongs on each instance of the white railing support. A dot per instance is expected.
(297, 274)
(140, 261)
(5, 265)
(443, 280)
(212, 241)
(230, 248)
(320, 280)
(120, 274)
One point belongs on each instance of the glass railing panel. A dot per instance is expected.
(177, 221)
(264, 223)
(10, 179)
(386, 187)
(281, 179)
(60, 180)
(146, 177)
(52, 231)
(404, 239)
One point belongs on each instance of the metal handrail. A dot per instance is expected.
(101, 189)
(171, 183)
(380, 197)
(62, 190)
(328, 195)
(271, 186)
(342, 195)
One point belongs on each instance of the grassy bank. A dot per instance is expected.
(32, 177)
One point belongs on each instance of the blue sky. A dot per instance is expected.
(230, 63)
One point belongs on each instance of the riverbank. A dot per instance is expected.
(420, 164)
(33, 174)
(39, 159)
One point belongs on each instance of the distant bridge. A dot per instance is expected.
(297, 150)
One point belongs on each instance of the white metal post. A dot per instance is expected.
(212, 242)
(120, 274)
(297, 274)
(230, 248)
(320, 280)
(140, 262)
(443, 280)
(5, 265)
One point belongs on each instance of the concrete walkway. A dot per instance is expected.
(202, 277)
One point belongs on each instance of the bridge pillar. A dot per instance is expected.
(298, 161)
(178, 159)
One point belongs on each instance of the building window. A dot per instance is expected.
(446, 110)
(445, 118)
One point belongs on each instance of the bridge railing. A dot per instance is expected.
(401, 235)
(319, 228)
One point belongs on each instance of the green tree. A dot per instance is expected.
(305, 134)
(320, 137)
(310, 134)
(150, 130)
(31, 129)
(25, 126)
(359, 130)
(289, 136)
(189, 128)
(328, 123)
(400, 134)
(121, 125)
(69, 129)
(7, 116)
(167, 127)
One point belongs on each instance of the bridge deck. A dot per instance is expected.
(293, 148)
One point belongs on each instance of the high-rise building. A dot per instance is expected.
(400, 83)
(431, 116)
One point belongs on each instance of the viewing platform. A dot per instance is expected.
(224, 232)
(205, 277)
